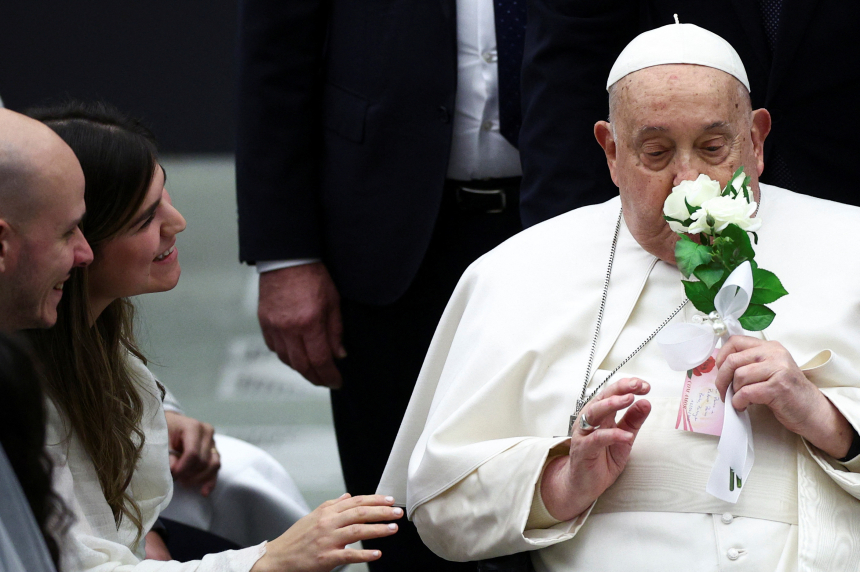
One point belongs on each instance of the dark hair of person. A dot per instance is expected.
(86, 361)
(22, 434)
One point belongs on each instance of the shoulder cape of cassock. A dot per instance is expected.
(520, 314)
(513, 342)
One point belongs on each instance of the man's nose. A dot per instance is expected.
(684, 171)
(83, 252)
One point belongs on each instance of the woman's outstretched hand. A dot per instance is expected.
(317, 542)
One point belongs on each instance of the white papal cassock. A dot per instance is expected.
(507, 364)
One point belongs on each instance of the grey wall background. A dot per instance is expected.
(170, 62)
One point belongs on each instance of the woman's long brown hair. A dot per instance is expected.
(86, 363)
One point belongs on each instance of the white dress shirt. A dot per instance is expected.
(478, 149)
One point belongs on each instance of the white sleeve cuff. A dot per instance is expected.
(269, 265)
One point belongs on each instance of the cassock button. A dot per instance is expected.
(733, 553)
(444, 115)
(487, 125)
(727, 518)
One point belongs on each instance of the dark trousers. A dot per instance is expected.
(186, 543)
(386, 347)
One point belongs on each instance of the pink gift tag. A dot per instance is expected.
(701, 409)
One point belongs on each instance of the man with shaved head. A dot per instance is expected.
(41, 205)
(545, 416)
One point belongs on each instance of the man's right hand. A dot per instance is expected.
(299, 313)
(597, 456)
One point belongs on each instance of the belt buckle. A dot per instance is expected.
(485, 194)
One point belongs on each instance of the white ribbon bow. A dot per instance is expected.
(686, 346)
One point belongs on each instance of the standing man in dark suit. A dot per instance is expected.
(801, 57)
(376, 160)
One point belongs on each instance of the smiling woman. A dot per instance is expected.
(143, 258)
(88, 374)
(107, 430)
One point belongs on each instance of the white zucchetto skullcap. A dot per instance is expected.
(678, 44)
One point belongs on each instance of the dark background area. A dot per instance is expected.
(170, 62)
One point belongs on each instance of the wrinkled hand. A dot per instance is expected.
(571, 484)
(317, 542)
(299, 313)
(194, 461)
(155, 548)
(765, 373)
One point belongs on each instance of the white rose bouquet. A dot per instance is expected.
(721, 218)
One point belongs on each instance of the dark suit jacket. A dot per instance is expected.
(344, 134)
(810, 86)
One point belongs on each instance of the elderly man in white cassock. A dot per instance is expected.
(485, 456)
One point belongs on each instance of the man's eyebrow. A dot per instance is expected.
(648, 130)
(718, 125)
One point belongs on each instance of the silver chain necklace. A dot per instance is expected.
(580, 403)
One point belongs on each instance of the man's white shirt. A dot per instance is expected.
(478, 149)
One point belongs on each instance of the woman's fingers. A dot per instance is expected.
(362, 514)
(347, 502)
(350, 556)
(355, 532)
(331, 502)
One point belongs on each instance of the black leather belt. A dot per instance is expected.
(490, 196)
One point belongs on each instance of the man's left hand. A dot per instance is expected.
(194, 460)
(765, 373)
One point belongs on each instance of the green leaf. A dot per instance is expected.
(757, 317)
(690, 209)
(766, 287)
(729, 188)
(741, 242)
(687, 222)
(710, 274)
(700, 295)
(690, 255)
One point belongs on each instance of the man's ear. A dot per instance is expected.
(758, 132)
(603, 134)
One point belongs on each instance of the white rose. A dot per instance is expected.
(677, 226)
(718, 213)
(694, 193)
